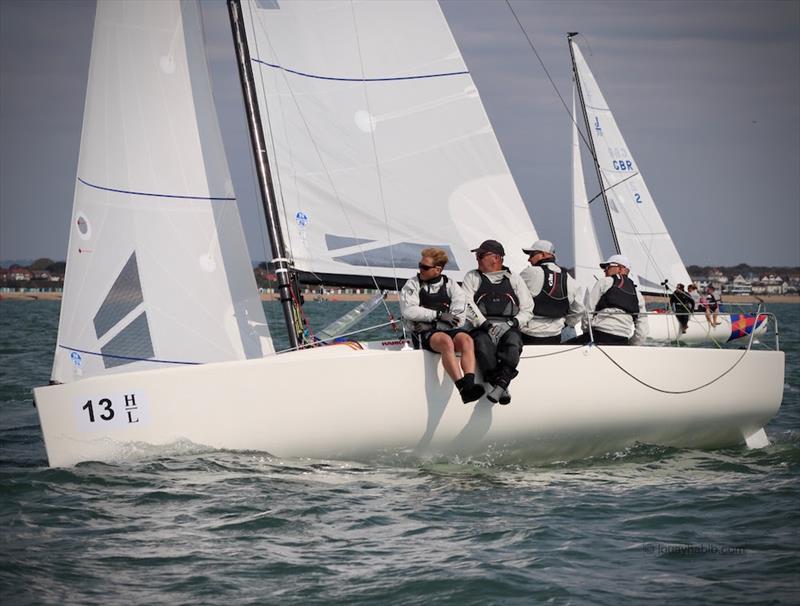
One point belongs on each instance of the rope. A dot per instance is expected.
(668, 391)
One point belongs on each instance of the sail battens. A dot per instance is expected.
(129, 358)
(344, 79)
(156, 194)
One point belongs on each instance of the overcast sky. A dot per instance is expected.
(707, 95)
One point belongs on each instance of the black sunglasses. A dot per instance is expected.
(424, 267)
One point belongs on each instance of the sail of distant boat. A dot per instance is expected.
(587, 249)
(638, 230)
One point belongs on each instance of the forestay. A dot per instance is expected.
(157, 269)
(380, 145)
(640, 231)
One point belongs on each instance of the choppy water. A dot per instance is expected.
(647, 524)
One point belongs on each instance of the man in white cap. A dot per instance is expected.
(498, 304)
(554, 292)
(620, 310)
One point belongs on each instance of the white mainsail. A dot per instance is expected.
(587, 249)
(639, 229)
(157, 269)
(379, 142)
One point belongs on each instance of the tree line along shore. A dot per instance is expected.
(267, 296)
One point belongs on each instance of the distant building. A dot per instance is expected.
(740, 286)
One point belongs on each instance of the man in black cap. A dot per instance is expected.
(501, 304)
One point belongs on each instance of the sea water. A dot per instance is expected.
(643, 525)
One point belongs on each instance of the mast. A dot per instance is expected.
(590, 140)
(280, 259)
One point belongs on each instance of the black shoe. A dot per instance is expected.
(468, 390)
(505, 397)
(472, 393)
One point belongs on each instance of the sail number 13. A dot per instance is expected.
(107, 413)
(116, 410)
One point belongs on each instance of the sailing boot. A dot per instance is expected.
(468, 389)
(499, 392)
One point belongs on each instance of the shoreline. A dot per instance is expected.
(56, 296)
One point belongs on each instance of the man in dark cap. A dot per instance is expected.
(501, 303)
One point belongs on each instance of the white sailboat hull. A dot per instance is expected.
(664, 328)
(337, 402)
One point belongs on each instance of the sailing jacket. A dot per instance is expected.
(542, 326)
(613, 320)
(418, 318)
(472, 283)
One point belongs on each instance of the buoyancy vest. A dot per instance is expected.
(711, 302)
(552, 301)
(440, 300)
(682, 301)
(621, 295)
(497, 301)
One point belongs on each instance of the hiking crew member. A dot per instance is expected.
(711, 306)
(683, 305)
(501, 304)
(620, 310)
(554, 292)
(433, 308)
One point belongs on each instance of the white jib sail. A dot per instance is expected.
(379, 142)
(587, 249)
(640, 231)
(157, 269)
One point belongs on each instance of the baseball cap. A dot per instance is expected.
(616, 260)
(491, 246)
(545, 246)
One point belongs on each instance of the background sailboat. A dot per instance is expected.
(424, 156)
(636, 226)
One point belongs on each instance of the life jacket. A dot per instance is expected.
(497, 301)
(711, 302)
(438, 301)
(552, 301)
(621, 295)
(682, 301)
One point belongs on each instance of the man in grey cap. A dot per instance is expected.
(555, 300)
(620, 311)
(500, 304)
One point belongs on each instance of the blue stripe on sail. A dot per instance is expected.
(132, 359)
(155, 195)
(388, 79)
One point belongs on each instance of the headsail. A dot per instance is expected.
(157, 268)
(380, 143)
(640, 231)
(587, 250)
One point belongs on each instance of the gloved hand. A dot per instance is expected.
(498, 329)
(446, 320)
